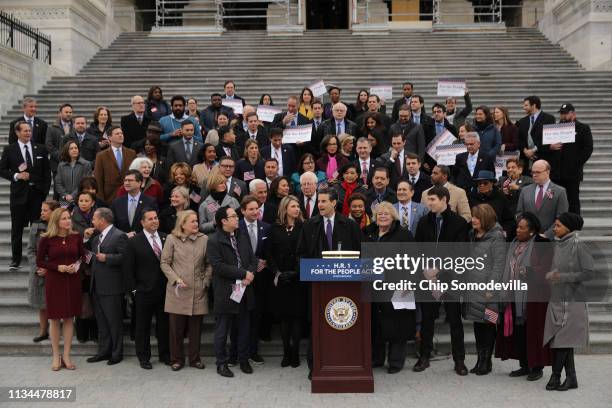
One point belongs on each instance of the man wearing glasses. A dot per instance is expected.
(135, 124)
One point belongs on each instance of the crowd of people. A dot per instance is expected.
(179, 212)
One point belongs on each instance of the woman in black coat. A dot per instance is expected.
(389, 326)
(290, 293)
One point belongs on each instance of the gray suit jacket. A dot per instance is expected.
(107, 277)
(417, 210)
(554, 203)
(68, 178)
(176, 153)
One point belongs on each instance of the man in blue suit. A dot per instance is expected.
(282, 152)
(257, 231)
(409, 211)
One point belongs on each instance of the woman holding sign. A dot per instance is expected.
(60, 250)
(184, 262)
(251, 166)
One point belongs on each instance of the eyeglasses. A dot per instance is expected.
(231, 216)
(227, 166)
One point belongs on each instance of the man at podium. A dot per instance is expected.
(327, 231)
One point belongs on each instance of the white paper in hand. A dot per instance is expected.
(403, 299)
(237, 291)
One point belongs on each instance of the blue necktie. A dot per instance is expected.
(339, 129)
(119, 158)
(329, 234)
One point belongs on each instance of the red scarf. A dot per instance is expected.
(348, 188)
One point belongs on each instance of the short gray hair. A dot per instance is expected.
(308, 175)
(27, 100)
(106, 214)
(134, 97)
(254, 183)
(137, 162)
(472, 135)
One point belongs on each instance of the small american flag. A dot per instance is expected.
(64, 203)
(261, 264)
(88, 256)
(491, 315)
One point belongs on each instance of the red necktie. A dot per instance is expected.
(539, 197)
(155, 246)
(307, 207)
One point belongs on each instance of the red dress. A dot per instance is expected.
(62, 290)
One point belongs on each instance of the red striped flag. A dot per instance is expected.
(491, 315)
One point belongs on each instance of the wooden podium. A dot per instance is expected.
(341, 338)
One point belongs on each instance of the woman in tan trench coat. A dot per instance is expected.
(185, 264)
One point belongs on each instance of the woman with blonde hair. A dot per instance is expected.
(216, 185)
(390, 326)
(179, 201)
(185, 264)
(181, 176)
(291, 294)
(251, 166)
(60, 251)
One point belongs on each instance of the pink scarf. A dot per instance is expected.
(332, 167)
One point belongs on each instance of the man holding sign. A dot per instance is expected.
(291, 118)
(530, 135)
(573, 156)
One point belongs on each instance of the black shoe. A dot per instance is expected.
(14, 266)
(286, 362)
(421, 365)
(224, 371)
(394, 370)
(460, 368)
(114, 361)
(146, 365)
(38, 339)
(535, 375)
(479, 362)
(96, 359)
(256, 359)
(487, 364)
(554, 382)
(231, 362)
(521, 372)
(570, 383)
(166, 361)
(246, 368)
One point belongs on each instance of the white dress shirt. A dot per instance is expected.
(150, 238)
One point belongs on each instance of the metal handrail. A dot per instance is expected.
(24, 39)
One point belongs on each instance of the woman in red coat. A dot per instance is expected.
(60, 251)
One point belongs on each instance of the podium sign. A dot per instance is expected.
(341, 326)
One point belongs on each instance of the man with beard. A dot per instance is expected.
(171, 124)
(212, 111)
(412, 132)
(573, 156)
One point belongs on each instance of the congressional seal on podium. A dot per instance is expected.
(341, 313)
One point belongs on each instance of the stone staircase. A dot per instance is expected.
(500, 68)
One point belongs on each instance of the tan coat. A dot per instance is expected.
(107, 173)
(458, 201)
(186, 259)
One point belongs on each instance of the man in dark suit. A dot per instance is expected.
(211, 112)
(308, 195)
(365, 161)
(135, 124)
(327, 231)
(394, 160)
(440, 225)
(417, 106)
(291, 118)
(254, 131)
(314, 145)
(266, 212)
(230, 88)
(417, 179)
(263, 286)
(283, 153)
(127, 209)
(235, 187)
(440, 123)
(185, 149)
(55, 134)
(39, 126)
(468, 164)
(412, 132)
(26, 166)
(573, 157)
(234, 266)
(380, 190)
(530, 136)
(407, 89)
(338, 123)
(88, 143)
(147, 283)
(107, 286)
(227, 144)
